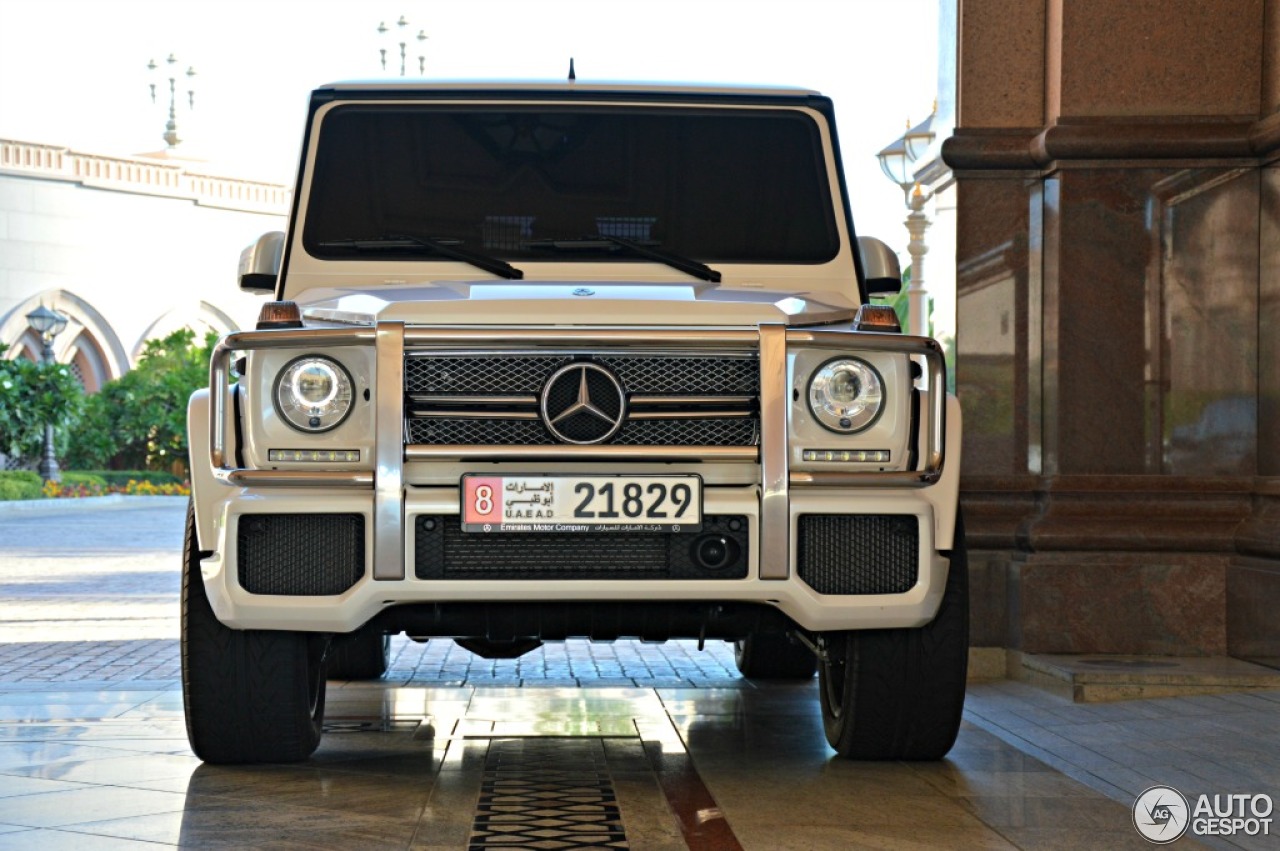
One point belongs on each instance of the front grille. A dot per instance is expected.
(443, 551)
(494, 399)
(858, 554)
(300, 555)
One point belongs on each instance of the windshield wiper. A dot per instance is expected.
(685, 264)
(445, 248)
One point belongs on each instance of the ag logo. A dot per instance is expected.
(1161, 814)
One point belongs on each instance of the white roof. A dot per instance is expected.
(420, 85)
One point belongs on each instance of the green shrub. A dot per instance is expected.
(32, 394)
(19, 484)
(80, 477)
(120, 478)
(139, 420)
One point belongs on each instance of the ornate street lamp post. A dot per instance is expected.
(48, 324)
(171, 73)
(897, 161)
(401, 42)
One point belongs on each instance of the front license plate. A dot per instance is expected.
(581, 503)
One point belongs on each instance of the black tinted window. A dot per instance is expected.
(742, 186)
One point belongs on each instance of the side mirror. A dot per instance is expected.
(880, 266)
(260, 263)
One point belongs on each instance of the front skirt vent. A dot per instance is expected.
(300, 555)
(859, 553)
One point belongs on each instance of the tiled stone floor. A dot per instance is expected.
(93, 751)
(109, 767)
(1206, 744)
(88, 765)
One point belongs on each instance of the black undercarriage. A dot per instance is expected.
(501, 627)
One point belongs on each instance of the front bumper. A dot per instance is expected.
(390, 499)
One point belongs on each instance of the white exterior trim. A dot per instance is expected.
(142, 176)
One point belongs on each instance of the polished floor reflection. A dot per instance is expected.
(462, 767)
(575, 745)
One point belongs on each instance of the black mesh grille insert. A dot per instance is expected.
(727, 432)
(859, 554)
(686, 376)
(477, 375)
(462, 432)
(524, 374)
(443, 551)
(300, 555)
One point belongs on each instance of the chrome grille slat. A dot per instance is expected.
(464, 414)
(689, 414)
(446, 399)
(638, 401)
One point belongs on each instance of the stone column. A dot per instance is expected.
(1118, 288)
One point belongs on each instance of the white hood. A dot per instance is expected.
(572, 303)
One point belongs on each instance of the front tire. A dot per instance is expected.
(773, 656)
(898, 694)
(250, 695)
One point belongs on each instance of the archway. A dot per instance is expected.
(200, 317)
(88, 340)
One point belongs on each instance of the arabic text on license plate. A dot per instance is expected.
(581, 503)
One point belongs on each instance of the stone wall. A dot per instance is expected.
(1118, 288)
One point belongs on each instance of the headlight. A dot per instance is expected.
(313, 393)
(846, 395)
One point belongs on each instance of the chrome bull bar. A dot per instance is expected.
(391, 339)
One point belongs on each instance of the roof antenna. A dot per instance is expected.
(572, 76)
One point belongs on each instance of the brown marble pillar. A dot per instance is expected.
(1118, 298)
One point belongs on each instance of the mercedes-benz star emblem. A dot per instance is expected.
(583, 403)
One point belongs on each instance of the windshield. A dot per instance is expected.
(537, 182)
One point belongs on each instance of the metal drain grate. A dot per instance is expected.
(549, 794)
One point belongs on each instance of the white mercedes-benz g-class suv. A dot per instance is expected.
(566, 360)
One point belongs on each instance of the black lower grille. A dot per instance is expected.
(300, 555)
(690, 432)
(742, 431)
(443, 551)
(859, 553)
(463, 432)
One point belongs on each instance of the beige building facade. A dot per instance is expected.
(129, 249)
